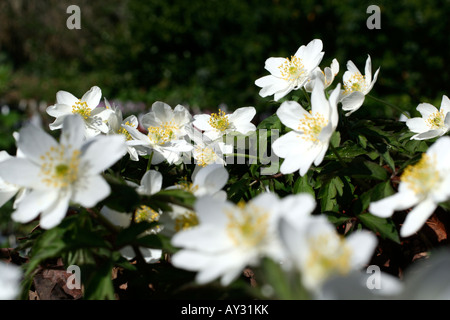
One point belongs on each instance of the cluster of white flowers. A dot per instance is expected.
(219, 238)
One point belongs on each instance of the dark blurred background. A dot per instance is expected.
(208, 53)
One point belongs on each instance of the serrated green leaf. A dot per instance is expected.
(385, 227)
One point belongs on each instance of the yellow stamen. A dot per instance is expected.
(204, 156)
(247, 224)
(219, 121)
(311, 126)
(436, 120)
(59, 167)
(185, 221)
(421, 177)
(292, 69)
(357, 82)
(82, 109)
(162, 134)
(145, 213)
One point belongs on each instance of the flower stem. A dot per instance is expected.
(390, 105)
(149, 163)
(307, 96)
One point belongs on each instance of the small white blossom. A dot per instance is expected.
(290, 74)
(433, 123)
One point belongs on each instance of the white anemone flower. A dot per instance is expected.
(423, 186)
(319, 252)
(94, 117)
(207, 152)
(7, 190)
(357, 86)
(230, 237)
(60, 173)
(216, 125)
(10, 278)
(117, 125)
(206, 181)
(433, 123)
(166, 132)
(311, 132)
(290, 74)
(151, 183)
(326, 76)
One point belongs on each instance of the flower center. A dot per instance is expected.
(357, 82)
(312, 125)
(187, 186)
(292, 69)
(436, 120)
(247, 224)
(219, 121)
(185, 221)
(162, 134)
(204, 156)
(328, 254)
(422, 177)
(82, 109)
(124, 131)
(145, 213)
(60, 166)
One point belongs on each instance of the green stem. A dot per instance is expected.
(390, 105)
(149, 163)
(307, 96)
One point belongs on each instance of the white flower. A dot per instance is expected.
(290, 74)
(356, 86)
(206, 151)
(216, 125)
(230, 237)
(311, 132)
(151, 183)
(59, 173)
(433, 123)
(7, 190)
(10, 277)
(94, 117)
(422, 186)
(206, 181)
(326, 76)
(167, 129)
(319, 252)
(117, 125)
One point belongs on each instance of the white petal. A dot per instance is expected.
(352, 68)
(319, 103)
(211, 211)
(201, 121)
(363, 244)
(92, 97)
(162, 111)
(352, 102)
(290, 113)
(91, 190)
(417, 217)
(445, 104)
(64, 97)
(289, 144)
(59, 110)
(194, 239)
(53, 215)
(417, 125)
(211, 178)
(34, 142)
(151, 183)
(119, 219)
(21, 172)
(426, 109)
(368, 69)
(33, 204)
(273, 65)
(102, 152)
(242, 115)
(400, 201)
(430, 134)
(73, 131)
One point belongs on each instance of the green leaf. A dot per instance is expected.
(123, 198)
(303, 185)
(385, 227)
(130, 234)
(99, 285)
